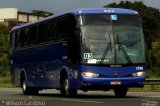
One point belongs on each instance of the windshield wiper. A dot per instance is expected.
(124, 51)
(106, 50)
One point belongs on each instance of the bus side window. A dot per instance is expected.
(51, 31)
(17, 44)
(29, 37)
(22, 37)
(71, 36)
(34, 35)
(26, 32)
(42, 32)
(61, 29)
(16, 39)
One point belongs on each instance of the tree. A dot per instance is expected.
(42, 13)
(4, 45)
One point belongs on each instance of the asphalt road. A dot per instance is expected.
(14, 97)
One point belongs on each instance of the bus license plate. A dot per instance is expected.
(115, 82)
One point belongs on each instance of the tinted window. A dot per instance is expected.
(73, 38)
(18, 39)
(51, 31)
(42, 32)
(26, 32)
(34, 35)
(61, 28)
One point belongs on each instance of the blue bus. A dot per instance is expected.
(84, 49)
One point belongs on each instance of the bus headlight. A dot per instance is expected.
(138, 74)
(89, 74)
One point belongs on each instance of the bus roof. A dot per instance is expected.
(104, 11)
(84, 11)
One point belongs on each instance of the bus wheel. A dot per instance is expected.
(66, 90)
(120, 91)
(28, 90)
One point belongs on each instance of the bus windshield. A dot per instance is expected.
(112, 39)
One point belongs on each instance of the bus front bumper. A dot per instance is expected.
(110, 83)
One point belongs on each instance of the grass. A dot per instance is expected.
(147, 88)
(5, 82)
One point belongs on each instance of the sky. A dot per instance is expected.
(58, 6)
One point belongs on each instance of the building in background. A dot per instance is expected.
(12, 14)
(8, 14)
(28, 17)
(12, 17)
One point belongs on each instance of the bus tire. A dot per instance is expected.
(66, 90)
(120, 92)
(28, 90)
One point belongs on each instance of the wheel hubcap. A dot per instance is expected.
(24, 85)
(66, 85)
